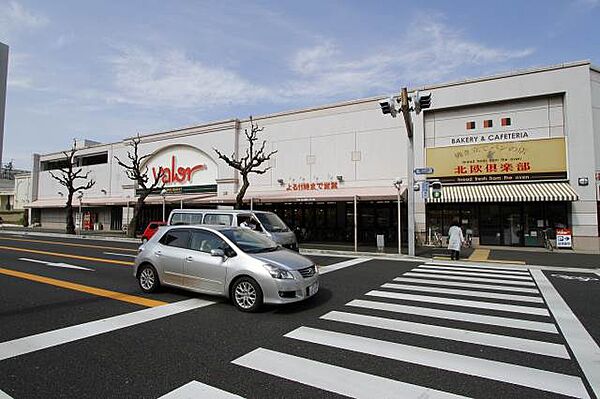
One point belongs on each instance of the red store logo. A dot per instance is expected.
(175, 174)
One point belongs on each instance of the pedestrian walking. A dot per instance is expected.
(455, 240)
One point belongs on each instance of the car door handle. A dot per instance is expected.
(189, 258)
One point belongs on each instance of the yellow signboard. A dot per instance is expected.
(519, 160)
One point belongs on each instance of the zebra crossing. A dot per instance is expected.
(484, 324)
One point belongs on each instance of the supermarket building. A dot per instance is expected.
(517, 153)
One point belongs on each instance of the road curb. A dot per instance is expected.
(79, 237)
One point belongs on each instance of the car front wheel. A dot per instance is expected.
(247, 295)
(148, 278)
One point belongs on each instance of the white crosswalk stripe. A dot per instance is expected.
(458, 316)
(461, 302)
(198, 390)
(475, 269)
(455, 334)
(451, 291)
(464, 278)
(491, 289)
(505, 372)
(335, 379)
(466, 285)
(477, 265)
(474, 274)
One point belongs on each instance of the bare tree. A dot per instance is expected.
(250, 162)
(68, 176)
(138, 173)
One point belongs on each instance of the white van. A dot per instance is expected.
(263, 222)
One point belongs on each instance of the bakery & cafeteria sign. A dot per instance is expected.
(496, 162)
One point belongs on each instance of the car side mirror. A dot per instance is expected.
(217, 252)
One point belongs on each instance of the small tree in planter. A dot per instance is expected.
(253, 158)
(67, 177)
(139, 175)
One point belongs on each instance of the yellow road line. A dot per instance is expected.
(63, 255)
(84, 288)
(69, 244)
(480, 255)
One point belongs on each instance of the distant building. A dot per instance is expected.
(3, 75)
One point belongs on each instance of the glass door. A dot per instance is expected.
(512, 225)
(489, 225)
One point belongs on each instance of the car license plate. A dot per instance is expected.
(312, 290)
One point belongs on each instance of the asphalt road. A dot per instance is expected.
(378, 328)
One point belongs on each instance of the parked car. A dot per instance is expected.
(151, 229)
(234, 262)
(263, 222)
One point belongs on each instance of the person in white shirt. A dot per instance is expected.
(455, 240)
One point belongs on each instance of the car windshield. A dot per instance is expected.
(271, 222)
(250, 241)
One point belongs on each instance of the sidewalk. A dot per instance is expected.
(516, 255)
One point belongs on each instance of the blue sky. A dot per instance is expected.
(106, 70)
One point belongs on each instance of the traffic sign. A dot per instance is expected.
(425, 190)
(424, 171)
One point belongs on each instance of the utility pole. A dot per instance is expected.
(410, 166)
(388, 106)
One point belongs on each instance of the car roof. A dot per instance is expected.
(218, 227)
(229, 211)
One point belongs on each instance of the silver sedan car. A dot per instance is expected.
(229, 261)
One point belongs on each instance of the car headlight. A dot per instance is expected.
(278, 273)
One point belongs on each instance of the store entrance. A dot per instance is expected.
(510, 224)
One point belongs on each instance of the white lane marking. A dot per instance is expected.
(454, 334)
(21, 346)
(475, 269)
(4, 395)
(195, 389)
(335, 379)
(459, 316)
(58, 264)
(584, 348)
(341, 265)
(477, 294)
(117, 254)
(489, 266)
(466, 285)
(461, 302)
(477, 279)
(476, 274)
(490, 369)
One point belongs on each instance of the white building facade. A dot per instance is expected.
(516, 153)
(3, 79)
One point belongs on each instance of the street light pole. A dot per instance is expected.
(163, 194)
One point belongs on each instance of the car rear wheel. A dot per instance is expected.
(148, 278)
(247, 295)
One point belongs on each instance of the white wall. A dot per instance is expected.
(3, 76)
(354, 141)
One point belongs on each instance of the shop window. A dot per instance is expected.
(505, 122)
(470, 125)
(487, 123)
(96, 159)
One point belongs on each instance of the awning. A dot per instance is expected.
(341, 194)
(120, 201)
(176, 198)
(511, 192)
